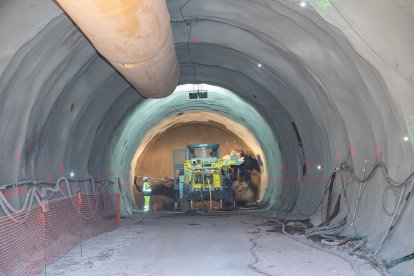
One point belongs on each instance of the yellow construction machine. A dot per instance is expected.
(203, 175)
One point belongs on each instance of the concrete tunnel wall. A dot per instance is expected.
(347, 85)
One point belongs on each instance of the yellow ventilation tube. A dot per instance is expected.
(134, 36)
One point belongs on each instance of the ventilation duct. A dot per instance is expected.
(134, 36)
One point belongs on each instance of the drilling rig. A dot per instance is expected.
(200, 174)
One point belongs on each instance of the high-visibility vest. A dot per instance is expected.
(147, 186)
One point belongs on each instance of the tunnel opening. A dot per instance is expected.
(201, 124)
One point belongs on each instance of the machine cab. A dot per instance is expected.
(202, 152)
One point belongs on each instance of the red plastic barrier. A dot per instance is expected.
(39, 235)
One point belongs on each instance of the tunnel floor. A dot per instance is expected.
(194, 244)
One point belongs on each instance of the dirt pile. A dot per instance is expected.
(246, 180)
(163, 196)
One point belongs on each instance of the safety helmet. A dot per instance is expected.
(145, 178)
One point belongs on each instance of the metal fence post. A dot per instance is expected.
(119, 209)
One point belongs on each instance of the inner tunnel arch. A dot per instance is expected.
(221, 106)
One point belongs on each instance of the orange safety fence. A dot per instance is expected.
(51, 222)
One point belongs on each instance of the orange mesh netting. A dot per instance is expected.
(50, 222)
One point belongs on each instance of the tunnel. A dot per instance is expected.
(320, 93)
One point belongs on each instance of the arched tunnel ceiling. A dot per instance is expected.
(348, 89)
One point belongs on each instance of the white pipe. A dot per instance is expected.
(134, 36)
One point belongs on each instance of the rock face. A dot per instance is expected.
(162, 197)
(247, 180)
(156, 160)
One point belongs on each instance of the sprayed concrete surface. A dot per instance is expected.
(191, 244)
(324, 92)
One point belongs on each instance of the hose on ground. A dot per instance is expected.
(356, 271)
(328, 231)
(399, 260)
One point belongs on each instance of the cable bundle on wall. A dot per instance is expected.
(347, 167)
(331, 234)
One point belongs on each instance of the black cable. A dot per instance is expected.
(329, 203)
(263, 37)
(322, 200)
(383, 203)
(181, 11)
(189, 53)
(345, 195)
(189, 36)
(347, 167)
(407, 198)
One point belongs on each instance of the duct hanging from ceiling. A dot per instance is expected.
(134, 36)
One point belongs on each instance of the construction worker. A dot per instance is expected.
(147, 193)
(139, 197)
